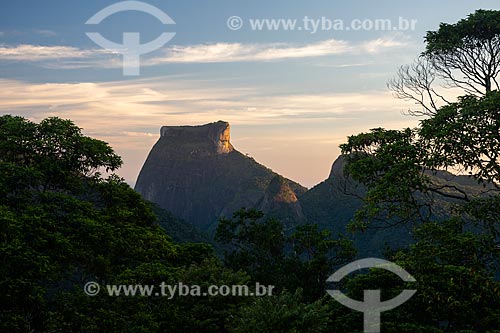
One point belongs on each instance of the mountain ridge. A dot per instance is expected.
(195, 173)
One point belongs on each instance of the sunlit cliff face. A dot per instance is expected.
(223, 142)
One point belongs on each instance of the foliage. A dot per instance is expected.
(399, 168)
(464, 55)
(302, 260)
(284, 313)
(456, 289)
(470, 46)
(62, 224)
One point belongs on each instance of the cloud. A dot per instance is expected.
(45, 33)
(381, 44)
(237, 52)
(39, 32)
(68, 57)
(11, 33)
(29, 53)
(227, 52)
(288, 132)
(124, 106)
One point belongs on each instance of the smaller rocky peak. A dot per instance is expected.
(279, 191)
(337, 171)
(280, 201)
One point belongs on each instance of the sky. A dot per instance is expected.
(292, 95)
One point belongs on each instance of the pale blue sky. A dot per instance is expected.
(289, 111)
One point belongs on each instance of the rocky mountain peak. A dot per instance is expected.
(195, 173)
(218, 133)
